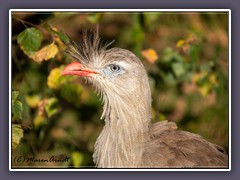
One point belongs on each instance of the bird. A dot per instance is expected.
(128, 138)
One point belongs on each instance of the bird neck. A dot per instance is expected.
(127, 119)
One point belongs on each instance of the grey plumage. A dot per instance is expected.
(128, 139)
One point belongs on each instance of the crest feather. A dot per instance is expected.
(89, 46)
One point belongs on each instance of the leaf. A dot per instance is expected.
(77, 159)
(29, 40)
(180, 43)
(45, 53)
(51, 29)
(205, 89)
(57, 33)
(150, 55)
(17, 134)
(55, 80)
(64, 38)
(204, 82)
(52, 106)
(32, 100)
(150, 19)
(39, 120)
(178, 69)
(184, 45)
(171, 55)
(213, 79)
(199, 78)
(17, 109)
(94, 18)
(137, 35)
(15, 95)
(17, 106)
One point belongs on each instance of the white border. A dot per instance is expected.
(116, 10)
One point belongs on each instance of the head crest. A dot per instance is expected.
(88, 47)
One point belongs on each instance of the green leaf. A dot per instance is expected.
(178, 69)
(50, 29)
(17, 134)
(170, 55)
(52, 107)
(17, 109)
(168, 78)
(58, 33)
(94, 18)
(150, 19)
(15, 95)
(64, 38)
(30, 40)
(77, 159)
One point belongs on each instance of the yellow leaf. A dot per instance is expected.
(77, 158)
(55, 80)
(33, 100)
(39, 120)
(196, 77)
(45, 53)
(17, 134)
(180, 43)
(150, 55)
(213, 79)
(205, 89)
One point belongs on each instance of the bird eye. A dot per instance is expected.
(115, 68)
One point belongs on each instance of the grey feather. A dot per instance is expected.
(128, 138)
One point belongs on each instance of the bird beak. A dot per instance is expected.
(78, 69)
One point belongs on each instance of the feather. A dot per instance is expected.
(128, 138)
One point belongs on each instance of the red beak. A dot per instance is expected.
(77, 68)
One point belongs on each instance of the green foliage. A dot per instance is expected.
(52, 106)
(94, 18)
(57, 33)
(17, 106)
(77, 159)
(185, 55)
(30, 40)
(17, 109)
(15, 94)
(17, 134)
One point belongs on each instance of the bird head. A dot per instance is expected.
(113, 71)
(122, 83)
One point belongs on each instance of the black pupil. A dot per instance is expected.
(115, 68)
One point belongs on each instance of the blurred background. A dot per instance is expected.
(185, 54)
